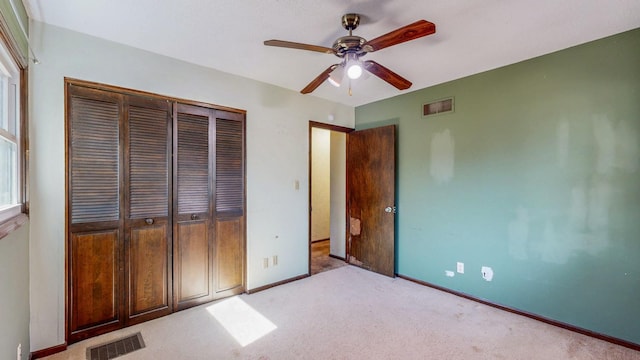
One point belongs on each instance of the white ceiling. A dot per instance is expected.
(472, 35)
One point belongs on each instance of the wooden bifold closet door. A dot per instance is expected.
(155, 208)
(120, 233)
(147, 253)
(209, 205)
(229, 204)
(94, 218)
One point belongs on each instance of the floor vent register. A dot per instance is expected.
(116, 348)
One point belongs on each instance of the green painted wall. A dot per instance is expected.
(536, 175)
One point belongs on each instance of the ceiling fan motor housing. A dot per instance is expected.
(350, 44)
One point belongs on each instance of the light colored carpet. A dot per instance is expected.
(350, 313)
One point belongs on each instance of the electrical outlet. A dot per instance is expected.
(265, 263)
(274, 260)
(460, 268)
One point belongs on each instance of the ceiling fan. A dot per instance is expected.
(351, 48)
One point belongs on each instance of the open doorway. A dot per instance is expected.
(327, 197)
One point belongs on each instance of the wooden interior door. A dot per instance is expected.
(193, 243)
(371, 199)
(147, 217)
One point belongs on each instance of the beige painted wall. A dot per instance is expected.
(320, 183)
(277, 156)
(338, 193)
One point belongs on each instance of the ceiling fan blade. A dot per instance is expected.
(387, 75)
(413, 31)
(300, 46)
(318, 80)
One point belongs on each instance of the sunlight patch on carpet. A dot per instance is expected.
(243, 322)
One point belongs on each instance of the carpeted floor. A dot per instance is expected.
(350, 313)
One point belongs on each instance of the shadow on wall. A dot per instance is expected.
(393, 121)
(274, 97)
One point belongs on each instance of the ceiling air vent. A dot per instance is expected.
(442, 106)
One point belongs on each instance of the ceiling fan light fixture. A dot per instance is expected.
(336, 76)
(354, 71)
(353, 66)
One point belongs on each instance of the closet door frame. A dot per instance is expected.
(119, 228)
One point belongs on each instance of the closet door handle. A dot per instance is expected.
(149, 221)
(194, 217)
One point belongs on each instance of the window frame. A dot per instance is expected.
(14, 216)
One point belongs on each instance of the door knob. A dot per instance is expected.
(194, 217)
(390, 209)
(149, 221)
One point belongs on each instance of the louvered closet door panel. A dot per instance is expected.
(148, 229)
(193, 163)
(193, 250)
(229, 203)
(229, 167)
(149, 154)
(95, 239)
(94, 160)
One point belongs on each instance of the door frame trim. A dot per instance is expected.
(122, 91)
(337, 128)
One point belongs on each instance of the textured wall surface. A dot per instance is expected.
(532, 182)
(14, 293)
(277, 156)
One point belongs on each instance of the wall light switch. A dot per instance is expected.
(296, 184)
(460, 268)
